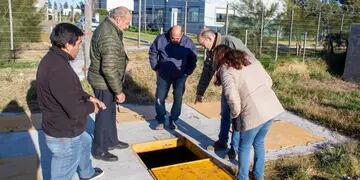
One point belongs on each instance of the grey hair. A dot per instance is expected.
(206, 33)
(121, 12)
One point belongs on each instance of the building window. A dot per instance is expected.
(193, 14)
(220, 17)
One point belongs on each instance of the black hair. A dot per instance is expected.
(65, 33)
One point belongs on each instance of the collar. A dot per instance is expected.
(113, 23)
(217, 40)
(61, 53)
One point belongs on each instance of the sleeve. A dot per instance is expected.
(231, 92)
(205, 77)
(67, 94)
(192, 58)
(153, 54)
(113, 63)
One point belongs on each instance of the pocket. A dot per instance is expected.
(58, 145)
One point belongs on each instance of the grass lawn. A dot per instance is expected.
(143, 36)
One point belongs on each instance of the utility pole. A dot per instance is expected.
(88, 21)
(139, 25)
(145, 16)
(185, 20)
(12, 53)
(227, 19)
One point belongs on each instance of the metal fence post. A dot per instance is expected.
(305, 34)
(318, 31)
(261, 31)
(277, 45)
(246, 37)
(12, 53)
(342, 24)
(227, 19)
(185, 18)
(139, 25)
(291, 26)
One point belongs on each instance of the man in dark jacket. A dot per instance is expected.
(106, 76)
(209, 40)
(173, 57)
(65, 107)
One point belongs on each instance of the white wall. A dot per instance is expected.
(111, 4)
(211, 8)
(214, 6)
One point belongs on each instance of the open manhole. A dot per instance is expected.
(179, 158)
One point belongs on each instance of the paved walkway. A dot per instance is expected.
(26, 147)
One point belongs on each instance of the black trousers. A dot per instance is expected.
(105, 133)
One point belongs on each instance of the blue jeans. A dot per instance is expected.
(253, 137)
(70, 155)
(162, 89)
(225, 122)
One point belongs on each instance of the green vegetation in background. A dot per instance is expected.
(144, 36)
(19, 64)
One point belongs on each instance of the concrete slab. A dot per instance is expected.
(129, 113)
(283, 134)
(209, 109)
(15, 168)
(192, 125)
(10, 122)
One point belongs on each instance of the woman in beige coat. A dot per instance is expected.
(253, 104)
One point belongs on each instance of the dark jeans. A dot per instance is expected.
(162, 89)
(105, 133)
(225, 122)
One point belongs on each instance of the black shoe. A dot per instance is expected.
(98, 173)
(217, 146)
(172, 125)
(120, 145)
(106, 156)
(231, 153)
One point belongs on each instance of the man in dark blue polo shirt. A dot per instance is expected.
(173, 57)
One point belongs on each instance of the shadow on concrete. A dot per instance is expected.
(18, 154)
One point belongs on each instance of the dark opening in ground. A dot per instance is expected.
(167, 157)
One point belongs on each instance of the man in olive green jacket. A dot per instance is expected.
(106, 77)
(209, 40)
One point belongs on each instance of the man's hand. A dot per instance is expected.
(96, 109)
(97, 102)
(120, 98)
(199, 99)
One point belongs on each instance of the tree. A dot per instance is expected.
(66, 5)
(251, 13)
(55, 6)
(26, 24)
(49, 4)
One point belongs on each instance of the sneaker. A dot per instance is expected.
(172, 125)
(120, 145)
(105, 156)
(159, 126)
(98, 173)
(217, 146)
